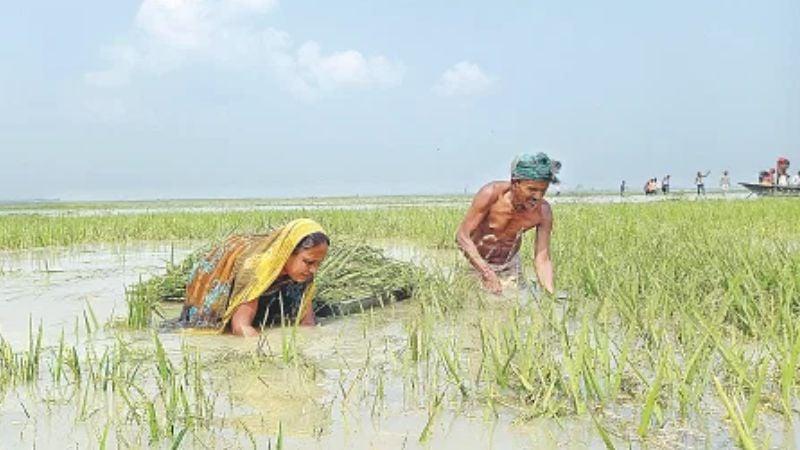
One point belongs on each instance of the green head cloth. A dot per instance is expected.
(534, 167)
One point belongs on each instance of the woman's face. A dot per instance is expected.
(302, 265)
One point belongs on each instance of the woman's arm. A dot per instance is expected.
(309, 318)
(242, 319)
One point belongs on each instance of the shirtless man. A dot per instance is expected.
(490, 235)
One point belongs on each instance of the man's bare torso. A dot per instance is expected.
(499, 236)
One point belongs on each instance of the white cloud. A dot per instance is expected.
(349, 67)
(170, 33)
(463, 79)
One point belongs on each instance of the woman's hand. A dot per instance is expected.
(242, 319)
(309, 318)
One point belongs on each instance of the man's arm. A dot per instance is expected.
(541, 259)
(242, 319)
(475, 214)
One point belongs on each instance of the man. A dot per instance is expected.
(765, 178)
(490, 235)
(782, 173)
(622, 189)
(796, 180)
(725, 182)
(699, 180)
(665, 184)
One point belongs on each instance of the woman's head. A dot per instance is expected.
(306, 257)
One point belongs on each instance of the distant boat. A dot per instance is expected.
(772, 191)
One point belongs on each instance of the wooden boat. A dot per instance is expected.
(772, 191)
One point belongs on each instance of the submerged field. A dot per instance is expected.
(680, 330)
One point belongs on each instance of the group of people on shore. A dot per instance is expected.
(776, 176)
(652, 186)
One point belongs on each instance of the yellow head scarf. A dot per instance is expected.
(261, 265)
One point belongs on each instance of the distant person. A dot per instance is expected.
(651, 187)
(782, 172)
(490, 235)
(796, 180)
(665, 184)
(699, 181)
(765, 178)
(249, 281)
(725, 182)
(622, 189)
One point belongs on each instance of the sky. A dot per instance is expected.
(266, 98)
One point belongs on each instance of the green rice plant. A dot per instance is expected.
(751, 411)
(279, 439)
(787, 362)
(143, 300)
(735, 416)
(650, 403)
(434, 408)
(176, 441)
(603, 434)
(449, 355)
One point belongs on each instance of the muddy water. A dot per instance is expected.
(356, 395)
(352, 390)
(55, 286)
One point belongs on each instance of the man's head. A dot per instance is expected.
(531, 175)
(783, 165)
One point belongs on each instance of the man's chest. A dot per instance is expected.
(504, 220)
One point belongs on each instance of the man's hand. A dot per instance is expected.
(491, 282)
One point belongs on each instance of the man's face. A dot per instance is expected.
(528, 191)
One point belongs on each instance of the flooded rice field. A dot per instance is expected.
(680, 330)
(350, 390)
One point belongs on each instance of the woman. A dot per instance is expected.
(253, 280)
